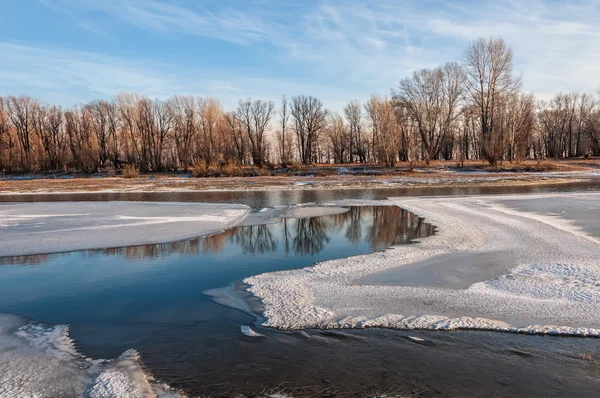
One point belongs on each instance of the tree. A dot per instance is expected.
(5, 147)
(431, 100)
(49, 128)
(387, 131)
(520, 117)
(490, 82)
(284, 139)
(255, 117)
(21, 111)
(309, 121)
(79, 130)
(185, 126)
(338, 135)
(210, 113)
(101, 121)
(353, 112)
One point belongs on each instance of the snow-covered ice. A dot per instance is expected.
(546, 281)
(51, 227)
(40, 360)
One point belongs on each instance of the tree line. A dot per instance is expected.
(469, 110)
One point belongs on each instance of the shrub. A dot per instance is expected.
(198, 169)
(544, 166)
(212, 171)
(130, 171)
(232, 170)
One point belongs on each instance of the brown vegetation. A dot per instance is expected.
(474, 110)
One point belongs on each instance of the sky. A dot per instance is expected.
(68, 52)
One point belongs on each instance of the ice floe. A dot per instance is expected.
(248, 331)
(554, 277)
(51, 227)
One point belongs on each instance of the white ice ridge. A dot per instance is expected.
(51, 227)
(552, 276)
(40, 360)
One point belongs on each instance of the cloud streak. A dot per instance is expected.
(335, 47)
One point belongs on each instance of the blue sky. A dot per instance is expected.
(72, 51)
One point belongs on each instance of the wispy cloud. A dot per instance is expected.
(68, 77)
(164, 16)
(58, 72)
(339, 49)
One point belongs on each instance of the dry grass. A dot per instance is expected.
(526, 167)
(201, 170)
(130, 171)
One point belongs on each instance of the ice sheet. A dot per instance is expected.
(51, 227)
(553, 278)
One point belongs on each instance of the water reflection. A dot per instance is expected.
(378, 226)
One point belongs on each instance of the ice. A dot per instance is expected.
(308, 211)
(51, 227)
(229, 296)
(40, 360)
(248, 331)
(508, 270)
(269, 215)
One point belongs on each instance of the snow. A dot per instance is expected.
(40, 360)
(52, 227)
(300, 211)
(550, 285)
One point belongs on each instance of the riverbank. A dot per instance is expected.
(180, 183)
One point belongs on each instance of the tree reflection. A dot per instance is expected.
(392, 225)
(377, 226)
(311, 236)
(255, 239)
(354, 221)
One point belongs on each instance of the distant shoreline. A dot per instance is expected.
(355, 176)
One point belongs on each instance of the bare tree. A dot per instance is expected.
(21, 111)
(240, 139)
(5, 147)
(99, 111)
(49, 128)
(489, 81)
(210, 113)
(284, 139)
(520, 120)
(255, 117)
(338, 135)
(185, 125)
(309, 121)
(353, 112)
(80, 133)
(387, 130)
(431, 100)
